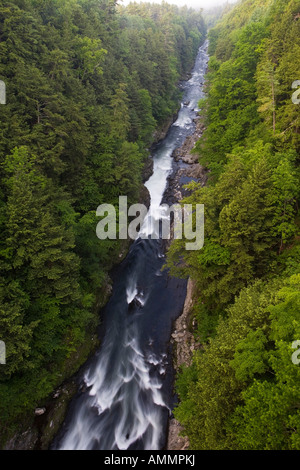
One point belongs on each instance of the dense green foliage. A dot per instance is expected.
(242, 390)
(87, 85)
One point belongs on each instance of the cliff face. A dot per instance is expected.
(184, 344)
(183, 340)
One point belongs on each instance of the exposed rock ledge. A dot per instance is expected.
(182, 339)
(183, 346)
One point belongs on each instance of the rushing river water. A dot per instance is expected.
(127, 394)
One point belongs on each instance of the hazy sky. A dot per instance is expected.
(189, 3)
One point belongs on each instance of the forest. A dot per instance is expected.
(88, 83)
(242, 390)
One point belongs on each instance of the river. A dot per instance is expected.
(125, 395)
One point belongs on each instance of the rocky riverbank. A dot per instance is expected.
(186, 168)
